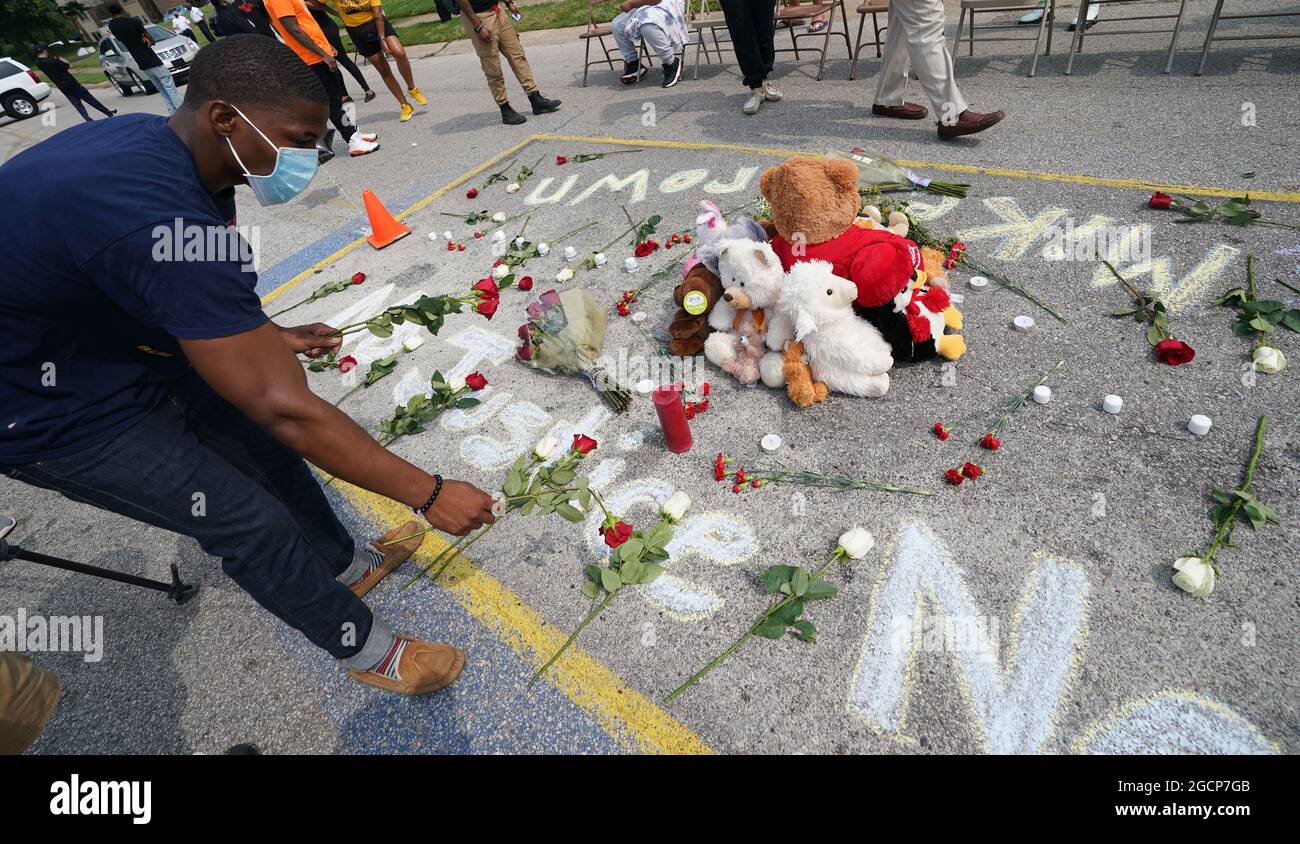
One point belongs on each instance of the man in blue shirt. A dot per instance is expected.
(147, 381)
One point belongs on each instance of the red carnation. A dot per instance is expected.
(690, 411)
(735, 488)
(357, 278)
(583, 444)
(622, 309)
(940, 431)
(621, 532)
(475, 381)
(991, 442)
(719, 468)
(702, 406)
(559, 159)
(1160, 200)
(460, 247)
(478, 235)
(971, 471)
(954, 477)
(704, 388)
(451, 247)
(471, 193)
(643, 249)
(526, 283)
(347, 363)
(686, 238)
(1174, 352)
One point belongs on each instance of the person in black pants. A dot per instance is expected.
(56, 70)
(752, 24)
(331, 30)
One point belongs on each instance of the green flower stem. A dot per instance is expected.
(1018, 401)
(290, 308)
(572, 636)
(1008, 284)
(581, 228)
(452, 553)
(837, 554)
(1226, 526)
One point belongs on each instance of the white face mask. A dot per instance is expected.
(294, 169)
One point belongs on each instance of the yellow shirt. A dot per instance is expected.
(356, 12)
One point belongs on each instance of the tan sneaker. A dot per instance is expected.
(420, 668)
(394, 555)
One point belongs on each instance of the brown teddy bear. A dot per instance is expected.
(699, 291)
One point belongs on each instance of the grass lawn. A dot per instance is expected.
(85, 70)
(553, 15)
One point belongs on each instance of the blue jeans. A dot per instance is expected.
(161, 78)
(197, 466)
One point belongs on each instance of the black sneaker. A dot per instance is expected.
(633, 72)
(541, 105)
(510, 117)
(672, 73)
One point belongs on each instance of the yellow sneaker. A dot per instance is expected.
(407, 111)
(417, 95)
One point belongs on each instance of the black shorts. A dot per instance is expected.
(366, 39)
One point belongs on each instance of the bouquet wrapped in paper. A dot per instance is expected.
(564, 333)
(886, 175)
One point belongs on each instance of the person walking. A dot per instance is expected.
(200, 20)
(493, 34)
(172, 381)
(662, 25)
(181, 25)
(299, 30)
(915, 42)
(132, 35)
(374, 36)
(331, 30)
(752, 24)
(56, 70)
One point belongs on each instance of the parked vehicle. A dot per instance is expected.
(176, 52)
(20, 90)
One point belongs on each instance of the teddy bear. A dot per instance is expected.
(751, 278)
(932, 270)
(815, 205)
(701, 289)
(845, 353)
(744, 365)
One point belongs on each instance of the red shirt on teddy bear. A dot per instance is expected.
(879, 262)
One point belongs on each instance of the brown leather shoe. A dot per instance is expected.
(394, 555)
(424, 667)
(906, 111)
(970, 122)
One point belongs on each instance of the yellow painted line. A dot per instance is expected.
(623, 712)
(450, 186)
(1094, 181)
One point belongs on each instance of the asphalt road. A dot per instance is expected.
(1059, 556)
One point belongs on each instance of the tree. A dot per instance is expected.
(30, 22)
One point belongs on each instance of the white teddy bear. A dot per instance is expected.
(844, 351)
(751, 282)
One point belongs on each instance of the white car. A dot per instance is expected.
(20, 90)
(176, 52)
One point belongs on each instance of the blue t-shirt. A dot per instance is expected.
(97, 288)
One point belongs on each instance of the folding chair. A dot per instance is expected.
(808, 11)
(1214, 24)
(972, 6)
(873, 8)
(599, 31)
(700, 19)
(1077, 46)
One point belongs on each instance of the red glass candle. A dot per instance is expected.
(672, 418)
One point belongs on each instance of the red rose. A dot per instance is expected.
(686, 238)
(357, 278)
(740, 476)
(1160, 200)
(488, 307)
(954, 477)
(939, 431)
(719, 468)
(621, 532)
(487, 289)
(526, 283)
(347, 364)
(475, 381)
(702, 406)
(643, 249)
(460, 247)
(704, 388)
(735, 488)
(991, 442)
(971, 471)
(583, 444)
(1174, 352)
(524, 353)
(477, 235)
(754, 483)
(471, 193)
(559, 159)
(451, 247)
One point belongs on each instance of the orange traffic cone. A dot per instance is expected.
(384, 228)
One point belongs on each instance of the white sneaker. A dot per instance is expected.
(1035, 16)
(772, 95)
(368, 137)
(360, 146)
(754, 103)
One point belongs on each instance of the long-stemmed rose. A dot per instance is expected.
(327, 289)
(1235, 211)
(1260, 317)
(383, 367)
(582, 157)
(791, 587)
(493, 178)
(522, 250)
(1151, 310)
(761, 475)
(428, 311)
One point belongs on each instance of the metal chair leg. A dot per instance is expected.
(875, 24)
(1033, 64)
(857, 48)
(956, 44)
(1173, 43)
(1209, 38)
(586, 63)
(1050, 11)
(1076, 45)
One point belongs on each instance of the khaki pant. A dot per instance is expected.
(505, 41)
(915, 37)
(27, 698)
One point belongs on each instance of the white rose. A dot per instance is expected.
(564, 275)
(543, 249)
(447, 234)
(513, 187)
(857, 542)
(1194, 576)
(498, 503)
(545, 448)
(500, 271)
(499, 217)
(676, 506)
(413, 342)
(1269, 359)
